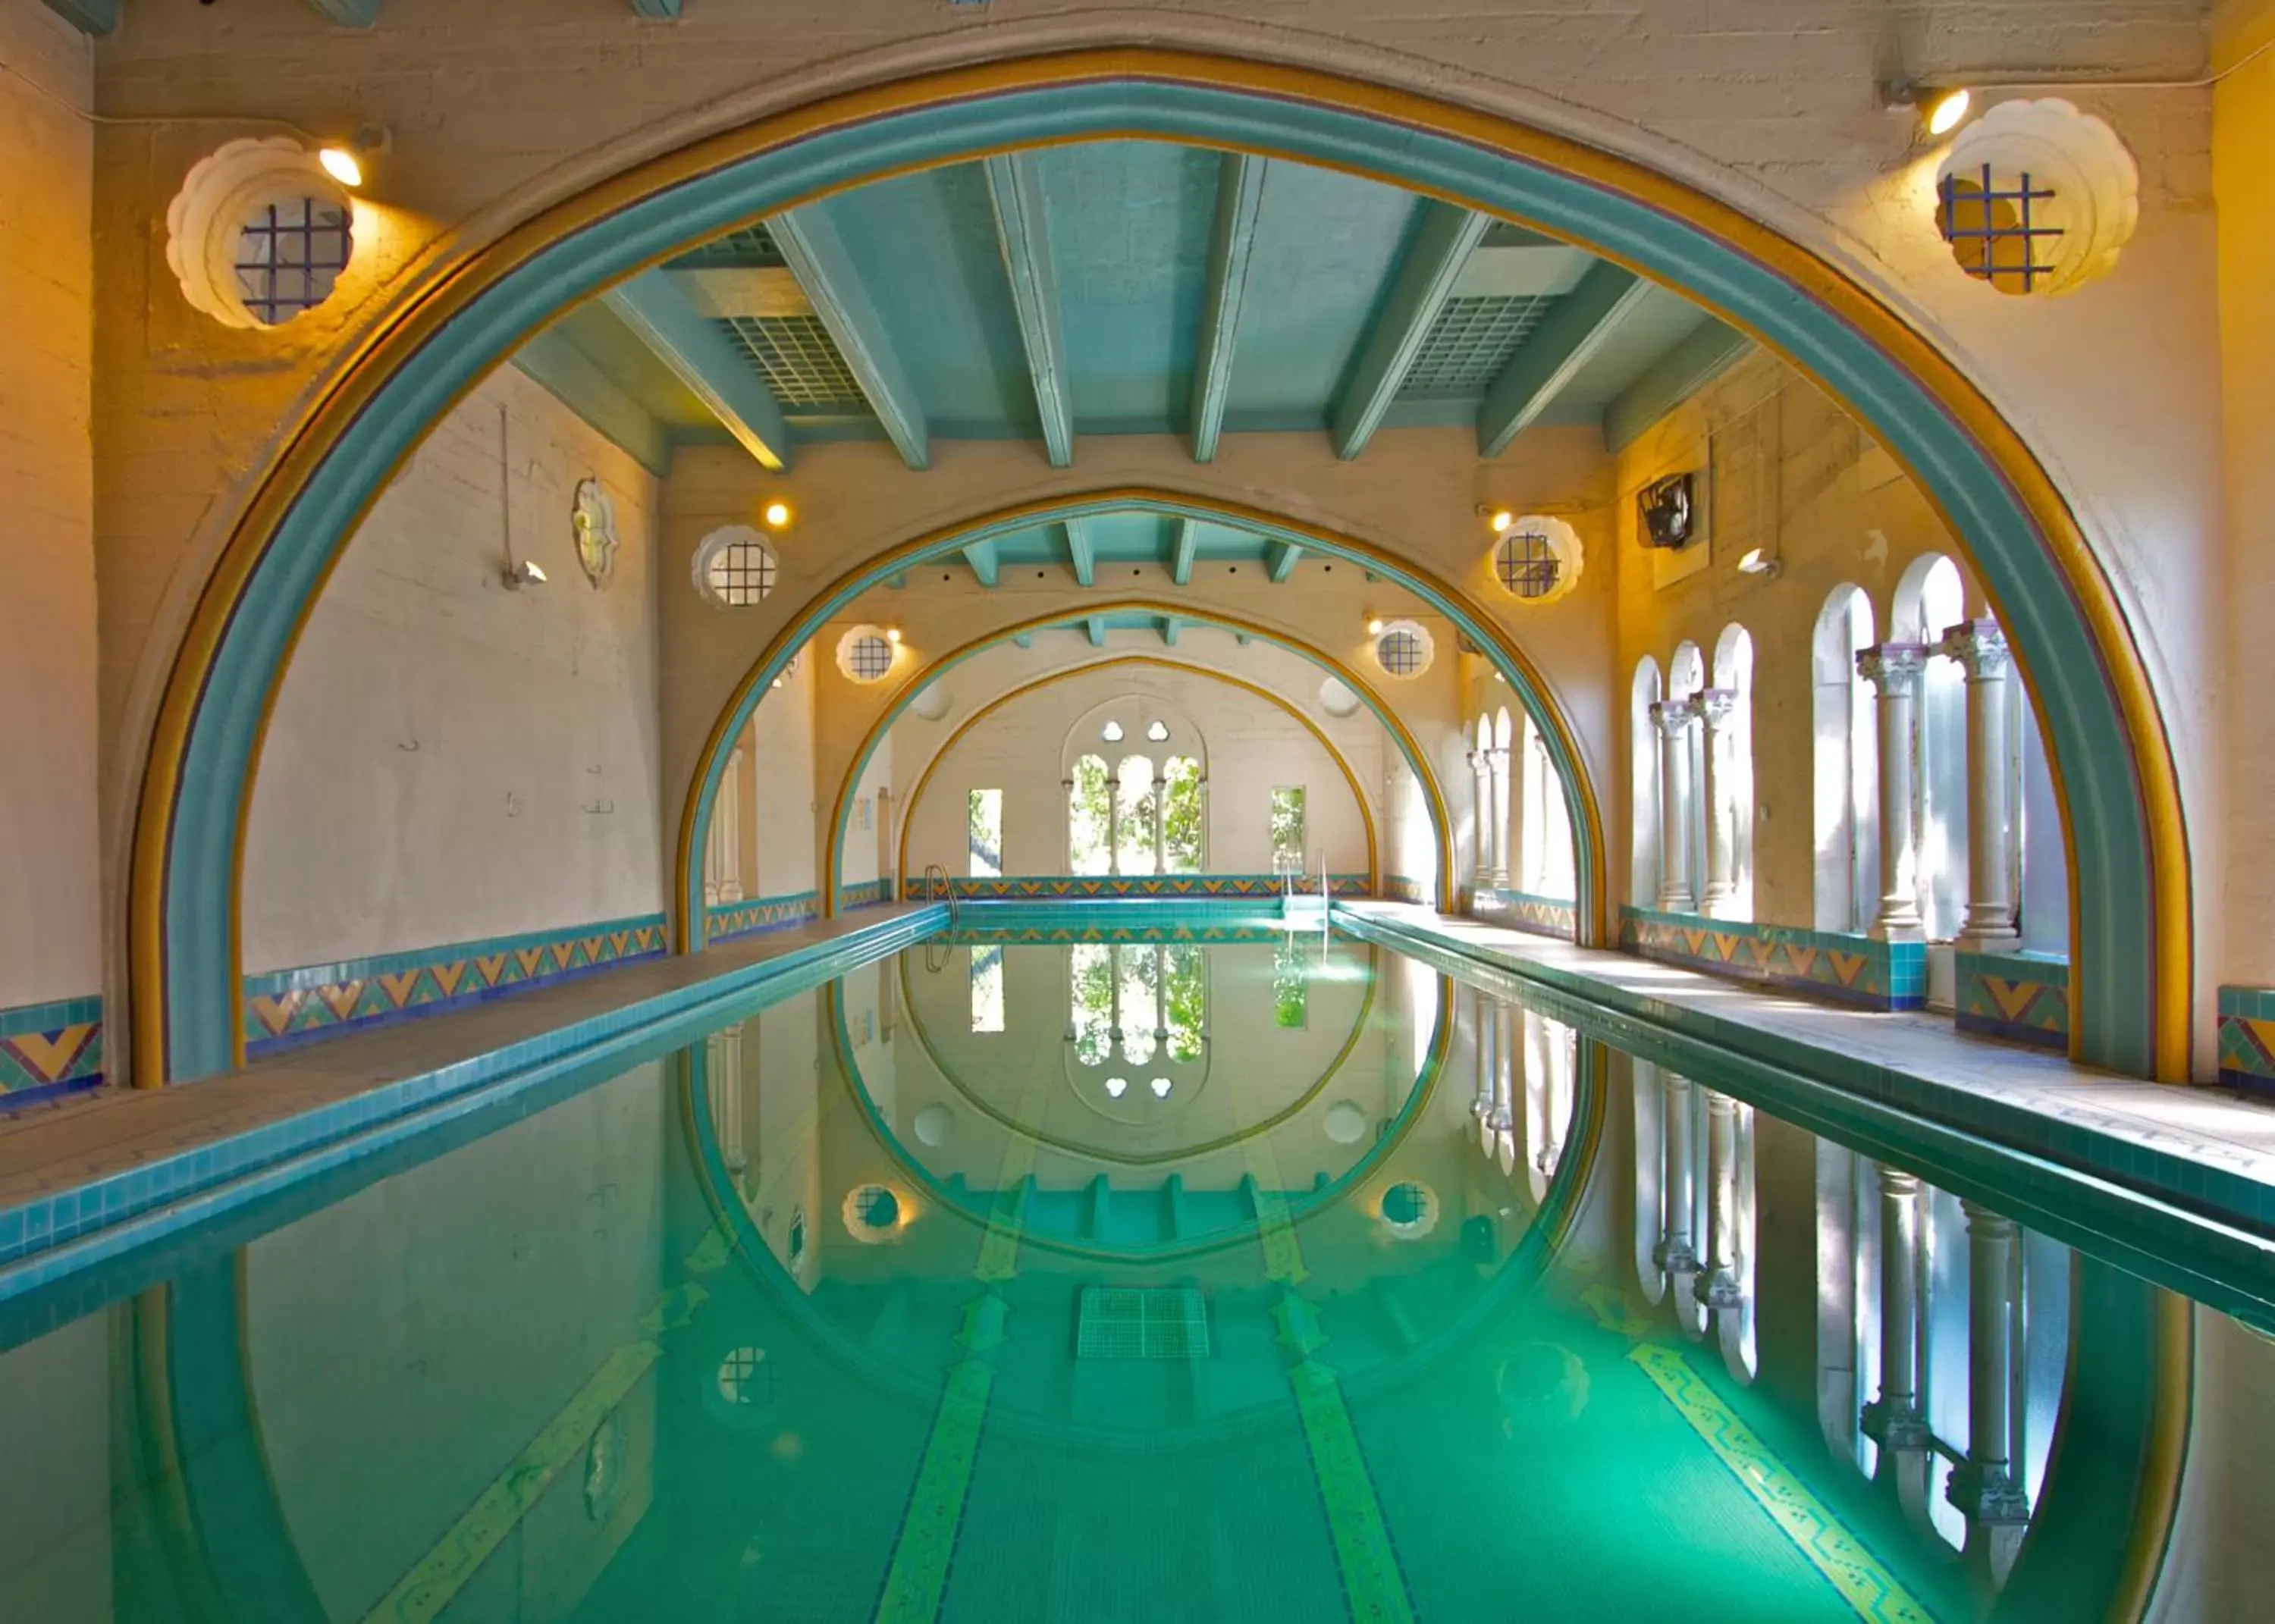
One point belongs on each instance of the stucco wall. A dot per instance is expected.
(451, 759)
(1247, 747)
(50, 922)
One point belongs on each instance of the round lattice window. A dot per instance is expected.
(1409, 1211)
(874, 1213)
(258, 233)
(865, 654)
(1403, 649)
(2036, 197)
(735, 567)
(1536, 559)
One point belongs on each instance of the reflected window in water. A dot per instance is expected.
(1291, 987)
(988, 989)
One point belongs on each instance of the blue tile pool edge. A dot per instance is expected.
(66, 1230)
(2152, 1205)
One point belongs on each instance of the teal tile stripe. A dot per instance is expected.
(306, 978)
(51, 1017)
(2247, 1038)
(724, 921)
(50, 1049)
(1851, 970)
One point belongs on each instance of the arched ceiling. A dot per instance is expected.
(1124, 287)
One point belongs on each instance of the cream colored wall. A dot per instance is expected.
(51, 923)
(1252, 746)
(1793, 473)
(778, 789)
(451, 759)
(186, 413)
(1416, 491)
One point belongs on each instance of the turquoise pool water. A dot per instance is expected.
(1129, 1278)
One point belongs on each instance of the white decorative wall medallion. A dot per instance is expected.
(2036, 197)
(258, 233)
(593, 520)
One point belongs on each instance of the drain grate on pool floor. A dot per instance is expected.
(1128, 1322)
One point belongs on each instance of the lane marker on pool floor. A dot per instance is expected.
(1375, 1585)
(1867, 1586)
(924, 1551)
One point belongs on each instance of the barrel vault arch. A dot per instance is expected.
(2130, 881)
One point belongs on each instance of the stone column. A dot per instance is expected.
(1482, 768)
(1721, 896)
(1481, 1025)
(1673, 719)
(1980, 648)
(1986, 1485)
(1716, 1283)
(1066, 802)
(1894, 1420)
(1675, 1254)
(1505, 1052)
(1893, 670)
(1498, 756)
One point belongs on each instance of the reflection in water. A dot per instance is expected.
(1427, 1307)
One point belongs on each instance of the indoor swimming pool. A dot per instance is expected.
(1063, 1269)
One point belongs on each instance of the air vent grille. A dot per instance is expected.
(1470, 343)
(1124, 1322)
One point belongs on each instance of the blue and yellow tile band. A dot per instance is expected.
(50, 1049)
(1848, 970)
(725, 921)
(1522, 910)
(2023, 997)
(2247, 1038)
(285, 1006)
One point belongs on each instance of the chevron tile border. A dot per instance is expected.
(1521, 910)
(50, 1049)
(1848, 970)
(281, 1007)
(868, 894)
(724, 921)
(1399, 888)
(1084, 888)
(2247, 1038)
(2022, 997)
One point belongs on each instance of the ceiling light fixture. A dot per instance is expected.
(1945, 111)
(341, 166)
(1500, 519)
(524, 574)
(1373, 626)
(893, 634)
(777, 515)
(1758, 560)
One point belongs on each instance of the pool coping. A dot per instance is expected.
(57, 1232)
(2105, 1180)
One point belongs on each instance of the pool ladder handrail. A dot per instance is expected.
(945, 892)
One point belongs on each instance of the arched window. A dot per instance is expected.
(1137, 823)
(1546, 847)
(1643, 785)
(1929, 601)
(1137, 1022)
(1734, 772)
(1846, 761)
(1182, 819)
(1090, 817)
(1686, 678)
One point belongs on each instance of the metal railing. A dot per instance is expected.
(938, 889)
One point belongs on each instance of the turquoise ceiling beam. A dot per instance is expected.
(1081, 553)
(1015, 187)
(1574, 330)
(1170, 627)
(1096, 627)
(707, 363)
(824, 269)
(585, 387)
(981, 556)
(348, 13)
(1239, 198)
(1183, 551)
(1424, 283)
(87, 16)
(1674, 378)
(666, 9)
(1280, 558)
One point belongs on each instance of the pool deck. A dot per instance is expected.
(2164, 1166)
(144, 1149)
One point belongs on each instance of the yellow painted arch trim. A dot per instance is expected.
(378, 352)
(915, 798)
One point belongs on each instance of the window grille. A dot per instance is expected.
(1527, 563)
(1400, 651)
(1993, 229)
(869, 658)
(741, 573)
(290, 256)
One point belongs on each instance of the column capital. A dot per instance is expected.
(1499, 757)
(1896, 1182)
(1985, 1223)
(1715, 705)
(1672, 716)
(1892, 667)
(1978, 645)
